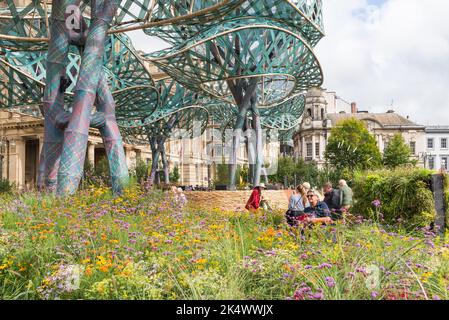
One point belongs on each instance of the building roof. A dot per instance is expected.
(389, 119)
(437, 129)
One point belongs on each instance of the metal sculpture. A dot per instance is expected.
(257, 56)
(177, 109)
(252, 55)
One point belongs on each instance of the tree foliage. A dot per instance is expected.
(351, 146)
(397, 153)
(291, 171)
(174, 175)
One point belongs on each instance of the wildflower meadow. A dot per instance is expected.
(150, 245)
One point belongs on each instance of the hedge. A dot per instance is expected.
(405, 196)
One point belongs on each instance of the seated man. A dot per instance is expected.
(318, 211)
(332, 197)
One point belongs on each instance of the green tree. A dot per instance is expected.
(351, 146)
(141, 170)
(244, 173)
(174, 175)
(286, 169)
(397, 153)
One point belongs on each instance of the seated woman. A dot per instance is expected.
(255, 199)
(318, 211)
(297, 203)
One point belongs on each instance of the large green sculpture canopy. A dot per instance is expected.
(178, 115)
(256, 57)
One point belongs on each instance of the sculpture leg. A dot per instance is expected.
(244, 105)
(235, 147)
(54, 94)
(154, 158)
(112, 139)
(259, 147)
(165, 164)
(77, 132)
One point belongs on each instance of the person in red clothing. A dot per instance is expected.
(256, 196)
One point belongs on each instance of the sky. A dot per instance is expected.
(382, 54)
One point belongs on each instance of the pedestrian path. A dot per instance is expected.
(235, 200)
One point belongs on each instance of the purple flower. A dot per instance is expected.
(330, 282)
(435, 297)
(374, 294)
(376, 203)
(317, 296)
(307, 267)
(351, 274)
(324, 265)
(430, 244)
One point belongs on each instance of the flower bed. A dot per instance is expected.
(148, 246)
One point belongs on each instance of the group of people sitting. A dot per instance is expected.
(307, 205)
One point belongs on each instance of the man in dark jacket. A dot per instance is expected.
(332, 197)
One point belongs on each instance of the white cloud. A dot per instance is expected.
(376, 51)
(395, 51)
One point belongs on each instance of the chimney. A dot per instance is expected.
(353, 107)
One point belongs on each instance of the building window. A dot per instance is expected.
(309, 152)
(429, 143)
(413, 147)
(444, 163)
(317, 149)
(443, 143)
(431, 163)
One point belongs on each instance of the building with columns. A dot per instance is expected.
(324, 110)
(21, 140)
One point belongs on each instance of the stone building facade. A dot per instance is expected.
(436, 155)
(324, 110)
(21, 141)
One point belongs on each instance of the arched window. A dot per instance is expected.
(322, 113)
(309, 112)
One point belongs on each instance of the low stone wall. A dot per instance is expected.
(235, 200)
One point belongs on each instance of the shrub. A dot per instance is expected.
(174, 175)
(96, 175)
(404, 193)
(142, 170)
(6, 186)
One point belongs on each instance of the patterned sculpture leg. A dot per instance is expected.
(257, 127)
(54, 94)
(112, 139)
(77, 132)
